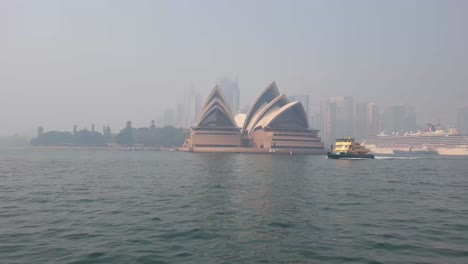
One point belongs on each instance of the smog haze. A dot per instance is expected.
(106, 62)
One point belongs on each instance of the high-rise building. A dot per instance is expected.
(232, 93)
(180, 115)
(316, 121)
(399, 119)
(40, 131)
(106, 132)
(192, 110)
(327, 122)
(373, 119)
(169, 117)
(344, 115)
(337, 118)
(367, 120)
(462, 120)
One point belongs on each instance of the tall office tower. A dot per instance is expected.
(344, 116)
(192, 111)
(399, 119)
(304, 99)
(327, 122)
(337, 118)
(231, 91)
(169, 117)
(40, 131)
(373, 119)
(316, 121)
(180, 115)
(462, 120)
(106, 131)
(367, 120)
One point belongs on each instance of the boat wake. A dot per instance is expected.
(399, 158)
(350, 158)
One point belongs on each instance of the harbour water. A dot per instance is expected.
(83, 206)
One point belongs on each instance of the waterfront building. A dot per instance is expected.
(215, 128)
(273, 124)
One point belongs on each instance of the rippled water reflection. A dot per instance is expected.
(80, 206)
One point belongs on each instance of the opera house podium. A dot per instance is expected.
(273, 124)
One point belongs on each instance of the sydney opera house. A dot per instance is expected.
(273, 124)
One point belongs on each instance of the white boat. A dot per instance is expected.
(445, 142)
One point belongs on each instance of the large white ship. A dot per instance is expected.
(445, 142)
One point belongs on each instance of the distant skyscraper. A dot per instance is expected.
(327, 122)
(399, 119)
(169, 117)
(373, 119)
(344, 115)
(316, 121)
(106, 131)
(337, 118)
(180, 115)
(192, 111)
(367, 120)
(462, 120)
(231, 91)
(40, 131)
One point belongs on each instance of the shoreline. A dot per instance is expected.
(97, 148)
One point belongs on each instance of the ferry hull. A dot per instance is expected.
(349, 156)
(442, 151)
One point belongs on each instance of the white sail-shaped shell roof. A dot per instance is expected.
(277, 103)
(289, 116)
(216, 111)
(265, 97)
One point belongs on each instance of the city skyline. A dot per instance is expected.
(360, 119)
(76, 62)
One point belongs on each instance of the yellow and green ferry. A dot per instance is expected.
(347, 148)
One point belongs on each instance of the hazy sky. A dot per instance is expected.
(83, 62)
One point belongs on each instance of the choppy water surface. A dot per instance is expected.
(81, 206)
